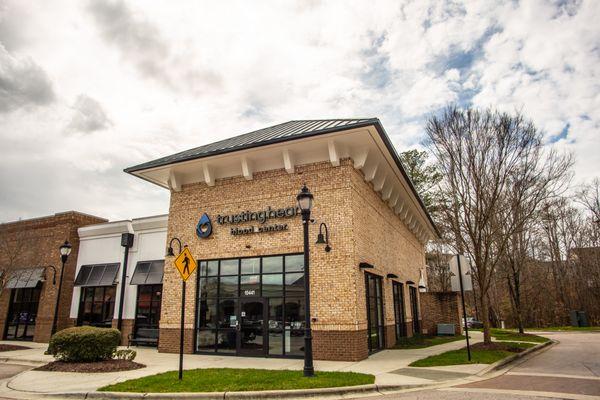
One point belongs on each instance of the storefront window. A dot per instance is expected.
(252, 306)
(22, 313)
(375, 327)
(398, 292)
(147, 314)
(414, 305)
(97, 306)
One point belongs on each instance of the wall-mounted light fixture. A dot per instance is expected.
(170, 252)
(422, 286)
(324, 240)
(45, 278)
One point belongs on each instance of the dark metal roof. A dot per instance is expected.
(284, 132)
(278, 133)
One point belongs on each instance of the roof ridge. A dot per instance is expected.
(263, 135)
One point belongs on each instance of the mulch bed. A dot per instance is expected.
(497, 346)
(11, 347)
(99, 366)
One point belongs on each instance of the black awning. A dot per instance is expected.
(97, 275)
(24, 278)
(148, 273)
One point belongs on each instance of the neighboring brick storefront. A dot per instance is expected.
(441, 308)
(35, 243)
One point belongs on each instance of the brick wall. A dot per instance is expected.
(382, 240)
(361, 228)
(35, 243)
(440, 308)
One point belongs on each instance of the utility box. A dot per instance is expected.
(578, 318)
(445, 329)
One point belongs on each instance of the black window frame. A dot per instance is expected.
(399, 310)
(380, 311)
(29, 306)
(414, 304)
(105, 308)
(297, 296)
(155, 307)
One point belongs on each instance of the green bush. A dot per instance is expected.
(84, 344)
(126, 354)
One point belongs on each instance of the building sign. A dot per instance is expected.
(261, 217)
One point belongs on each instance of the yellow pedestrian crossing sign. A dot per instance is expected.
(185, 263)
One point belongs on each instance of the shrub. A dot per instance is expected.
(84, 344)
(127, 354)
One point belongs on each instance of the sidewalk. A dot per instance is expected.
(390, 367)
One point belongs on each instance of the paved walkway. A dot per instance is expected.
(389, 367)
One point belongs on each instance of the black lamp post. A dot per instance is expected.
(305, 199)
(65, 250)
(171, 253)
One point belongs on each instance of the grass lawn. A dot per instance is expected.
(479, 355)
(231, 379)
(419, 341)
(515, 336)
(568, 328)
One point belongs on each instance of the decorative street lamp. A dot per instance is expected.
(171, 253)
(65, 250)
(305, 199)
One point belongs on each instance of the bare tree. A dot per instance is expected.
(489, 160)
(438, 267)
(12, 245)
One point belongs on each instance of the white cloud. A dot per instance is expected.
(22, 83)
(88, 116)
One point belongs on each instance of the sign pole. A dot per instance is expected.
(462, 297)
(182, 330)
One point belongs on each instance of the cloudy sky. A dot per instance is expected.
(88, 88)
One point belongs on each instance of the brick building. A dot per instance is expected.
(233, 203)
(30, 266)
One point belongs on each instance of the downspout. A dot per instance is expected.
(126, 242)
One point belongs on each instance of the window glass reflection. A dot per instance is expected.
(272, 285)
(272, 264)
(294, 263)
(250, 285)
(250, 266)
(294, 284)
(229, 267)
(213, 268)
(228, 286)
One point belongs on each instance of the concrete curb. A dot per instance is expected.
(33, 363)
(508, 360)
(337, 392)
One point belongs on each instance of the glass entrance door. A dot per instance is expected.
(251, 328)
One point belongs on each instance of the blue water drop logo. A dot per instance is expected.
(204, 227)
